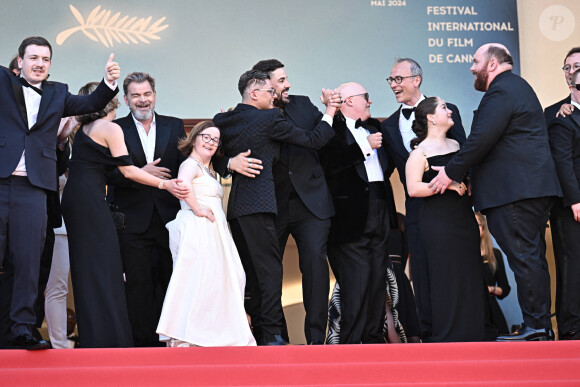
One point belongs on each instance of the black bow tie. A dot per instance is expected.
(360, 123)
(407, 112)
(26, 84)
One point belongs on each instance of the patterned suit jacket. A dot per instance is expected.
(247, 127)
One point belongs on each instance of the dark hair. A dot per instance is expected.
(37, 41)
(185, 145)
(573, 51)
(499, 53)
(415, 67)
(87, 118)
(420, 124)
(14, 64)
(268, 65)
(251, 77)
(138, 77)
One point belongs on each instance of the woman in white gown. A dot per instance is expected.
(204, 304)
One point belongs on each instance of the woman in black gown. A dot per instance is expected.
(95, 258)
(496, 280)
(448, 229)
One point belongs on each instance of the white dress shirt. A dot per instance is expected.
(372, 164)
(405, 125)
(147, 139)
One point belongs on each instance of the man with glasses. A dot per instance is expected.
(252, 207)
(405, 80)
(564, 134)
(355, 165)
(304, 203)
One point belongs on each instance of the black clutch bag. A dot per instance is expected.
(118, 217)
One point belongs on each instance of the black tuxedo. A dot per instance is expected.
(24, 211)
(147, 210)
(513, 182)
(252, 203)
(304, 210)
(564, 136)
(551, 111)
(357, 246)
(398, 155)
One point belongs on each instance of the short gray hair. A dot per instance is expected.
(138, 77)
(415, 67)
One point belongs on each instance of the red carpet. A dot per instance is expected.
(541, 363)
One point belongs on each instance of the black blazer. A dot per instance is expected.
(247, 127)
(564, 133)
(551, 111)
(398, 154)
(508, 148)
(40, 141)
(300, 167)
(343, 162)
(137, 201)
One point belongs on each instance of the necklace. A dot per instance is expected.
(209, 171)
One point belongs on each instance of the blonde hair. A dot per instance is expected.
(486, 245)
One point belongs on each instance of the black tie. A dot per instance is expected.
(407, 112)
(360, 123)
(26, 84)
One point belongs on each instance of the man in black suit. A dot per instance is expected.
(405, 80)
(30, 109)
(571, 65)
(252, 204)
(304, 202)
(355, 165)
(564, 133)
(514, 180)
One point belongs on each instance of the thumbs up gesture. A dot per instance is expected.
(112, 70)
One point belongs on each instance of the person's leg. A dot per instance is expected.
(56, 294)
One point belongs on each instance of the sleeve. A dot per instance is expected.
(562, 137)
(500, 275)
(283, 130)
(336, 156)
(83, 104)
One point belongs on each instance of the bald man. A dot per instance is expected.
(355, 164)
(514, 180)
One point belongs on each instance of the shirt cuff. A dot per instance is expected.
(365, 147)
(328, 119)
(113, 85)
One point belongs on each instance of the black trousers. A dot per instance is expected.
(22, 231)
(421, 282)
(311, 236)
(361, 271)
(257, 242)
(519, 229)
(146, 278)
(566, 240)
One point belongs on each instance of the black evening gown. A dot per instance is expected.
(451, 238)
(495, 323)
(95, 258)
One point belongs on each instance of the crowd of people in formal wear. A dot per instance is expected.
(156, 261)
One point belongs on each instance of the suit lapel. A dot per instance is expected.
(576, 117)
(134, 142)
(19, 96)
(47, 94)
(360, 167)
(161, 137)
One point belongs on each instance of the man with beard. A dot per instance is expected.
(514, 180)
(151, 140)
(571, 65)
(405, 81)
(304, 202)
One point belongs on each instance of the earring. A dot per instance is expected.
(433, 122)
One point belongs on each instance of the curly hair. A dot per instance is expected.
(87, 118)
(420, 124)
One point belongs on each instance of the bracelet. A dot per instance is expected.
(161, 185)
(64, 143)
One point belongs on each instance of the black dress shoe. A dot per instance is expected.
(268, 339)
(27, 341)
(316, 342)
(525, 333)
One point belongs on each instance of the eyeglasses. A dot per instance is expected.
(398, 79)
(366, 95)
(567, 68)
(209, 139)
(271, 91)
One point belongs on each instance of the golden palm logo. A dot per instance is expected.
(100, 26)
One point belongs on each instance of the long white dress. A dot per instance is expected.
(204, 304)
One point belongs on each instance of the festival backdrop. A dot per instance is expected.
(197, 50)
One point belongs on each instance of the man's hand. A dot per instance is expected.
(565, 110)
(375, 140)
(177, 189)
(112, 70)
(67, 126)
(440, 182)
(576, 211)
(160, 172)
(331, 98)
(244, 165)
